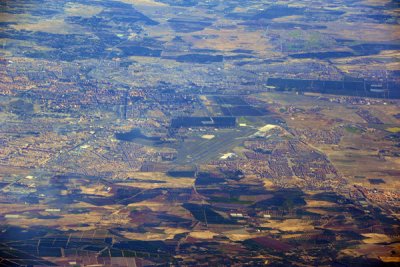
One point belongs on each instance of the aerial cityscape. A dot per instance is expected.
(199, 133)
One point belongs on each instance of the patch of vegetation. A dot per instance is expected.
(285, 199)
(244, 120)
(353, 129)
(20, 107)
(393, 129)
(232, 200)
